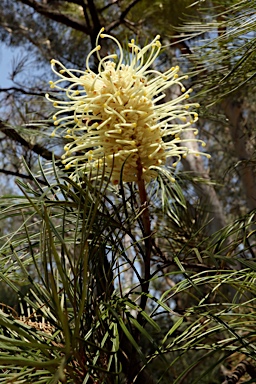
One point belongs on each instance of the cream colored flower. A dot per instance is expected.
(118, 118)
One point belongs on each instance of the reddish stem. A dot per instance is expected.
(147, 236)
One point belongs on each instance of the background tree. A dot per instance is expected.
(203, 250)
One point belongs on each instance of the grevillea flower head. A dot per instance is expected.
(118, 118)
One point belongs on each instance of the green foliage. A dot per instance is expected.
(223, 48)
(79, 322)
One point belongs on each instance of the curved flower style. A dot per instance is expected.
(118, 117)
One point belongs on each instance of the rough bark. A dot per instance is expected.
(205, 191)
(233, 109)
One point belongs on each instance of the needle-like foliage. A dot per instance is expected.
(81, 322)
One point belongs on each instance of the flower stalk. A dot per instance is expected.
(147, 236)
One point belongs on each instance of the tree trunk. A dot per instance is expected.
(205, 192)
(245, 168)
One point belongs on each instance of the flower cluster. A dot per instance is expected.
(118, 117)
